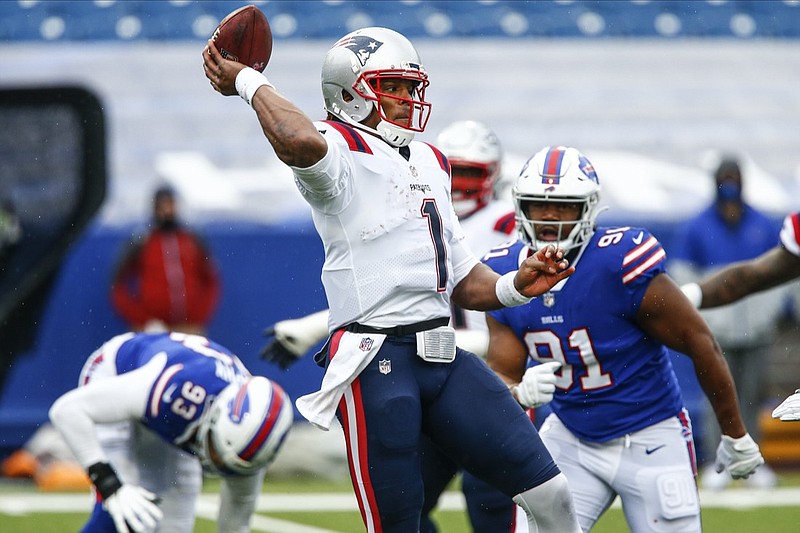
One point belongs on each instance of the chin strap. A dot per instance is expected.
(394, 135)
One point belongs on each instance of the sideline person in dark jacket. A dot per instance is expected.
(167, 280)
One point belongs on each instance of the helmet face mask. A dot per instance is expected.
(563, 179)
(355, 71)
(244, 427)
(475, 159)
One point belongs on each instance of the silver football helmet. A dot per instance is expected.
(244, 427)
(351, 81)
(562, 175)
(475, 157)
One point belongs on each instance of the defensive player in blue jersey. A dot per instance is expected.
(598, 342)
(395, 260)
(147, 407)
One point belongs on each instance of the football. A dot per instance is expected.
(245, 36)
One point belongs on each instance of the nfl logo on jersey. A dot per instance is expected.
(549, 299)
(385, 366)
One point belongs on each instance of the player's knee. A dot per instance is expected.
(549, 507)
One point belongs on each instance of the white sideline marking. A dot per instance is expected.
(307, 502)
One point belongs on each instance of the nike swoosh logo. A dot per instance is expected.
(638, 238)
(648, 451)
(167, 396)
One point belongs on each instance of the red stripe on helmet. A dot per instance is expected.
(275, 407)
(552, 163)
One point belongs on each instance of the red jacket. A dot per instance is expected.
(170, 277)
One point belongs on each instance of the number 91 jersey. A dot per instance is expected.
(196, 370)
(615, 379)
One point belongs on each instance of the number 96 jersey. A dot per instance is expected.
(615, 379)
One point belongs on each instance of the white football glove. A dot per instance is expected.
(740, 457)
(293, 338)
(538, 384)
(789, 409)
(133, 508)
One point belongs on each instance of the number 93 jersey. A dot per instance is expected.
(615, 379)
(196, 369)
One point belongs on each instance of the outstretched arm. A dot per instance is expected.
(294, 337)
(484, 290)
(290, 132)
(773, 268)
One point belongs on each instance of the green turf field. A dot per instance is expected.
(319, 506)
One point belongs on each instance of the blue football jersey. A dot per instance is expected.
(197, 369)
(615, 379)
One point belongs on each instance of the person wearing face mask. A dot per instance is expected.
(728, 231)
(167, 279)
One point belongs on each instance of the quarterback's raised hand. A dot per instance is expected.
(221, 72)
(789, 409)
(293, 338)
(538, 385)
(542, 271)
(132, 508)
(740, 457)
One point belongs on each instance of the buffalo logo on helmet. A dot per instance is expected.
(362, 46)
(587, 168)
(239, 406)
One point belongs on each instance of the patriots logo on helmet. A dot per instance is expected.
(362, 46)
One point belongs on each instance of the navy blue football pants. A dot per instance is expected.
(462, 407)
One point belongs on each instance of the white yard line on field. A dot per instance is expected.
(21, 504)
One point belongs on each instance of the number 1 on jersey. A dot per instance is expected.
(431, 212)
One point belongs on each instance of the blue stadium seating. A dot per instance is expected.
(178, 20)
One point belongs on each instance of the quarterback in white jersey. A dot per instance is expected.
(395, 259)
(774, 267)
(475, 157)
(147, 407)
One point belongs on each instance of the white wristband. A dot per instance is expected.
(694, 293)
(248, 82)
(508, 295)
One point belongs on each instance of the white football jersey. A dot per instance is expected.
(394, 248)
